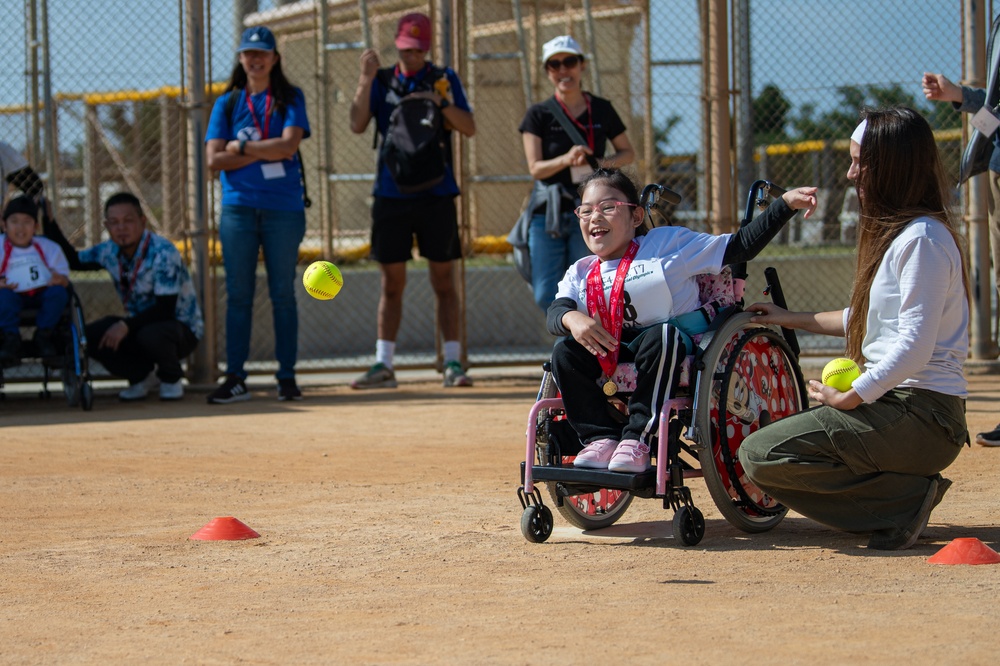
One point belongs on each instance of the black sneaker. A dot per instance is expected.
(991, 438)
(233, 389)
(10, 349)
(45, 343)
(288, 390)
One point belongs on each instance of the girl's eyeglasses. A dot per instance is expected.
(569, 62)
(605, 208)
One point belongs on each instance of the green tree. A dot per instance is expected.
(770, 116)
(840, 121)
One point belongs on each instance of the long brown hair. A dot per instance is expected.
(900, 178)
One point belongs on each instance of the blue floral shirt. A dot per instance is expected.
(156, 269)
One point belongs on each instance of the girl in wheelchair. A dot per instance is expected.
(635, 299)
(33, 274)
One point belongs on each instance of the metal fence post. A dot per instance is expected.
(974, 65)
(204, 366)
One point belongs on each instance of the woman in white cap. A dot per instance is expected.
(253, 139)
(564, 139)
(868, 460)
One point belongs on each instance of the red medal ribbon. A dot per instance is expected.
(125, 282)
(610, 313)
(267, 114)
(589, 128)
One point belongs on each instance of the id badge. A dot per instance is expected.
(28, 274)
(272, 170)
(580, 173)
(985, 121)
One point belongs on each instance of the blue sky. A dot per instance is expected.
(808, 52)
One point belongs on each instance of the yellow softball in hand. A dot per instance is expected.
(322, 280)
(840, 373)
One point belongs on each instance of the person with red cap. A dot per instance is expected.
(428, 214)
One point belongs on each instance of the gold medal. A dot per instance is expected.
(610, 388)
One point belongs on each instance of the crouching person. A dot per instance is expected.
(163, 321)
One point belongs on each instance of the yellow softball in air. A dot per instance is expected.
(840, 373)
(322, 280)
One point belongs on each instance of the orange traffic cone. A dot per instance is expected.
(226, 528)
(965, 551)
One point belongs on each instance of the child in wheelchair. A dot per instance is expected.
(33, 275)
(635, 299)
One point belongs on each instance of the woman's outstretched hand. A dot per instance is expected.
(769, 313)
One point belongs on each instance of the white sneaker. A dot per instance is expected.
(151, 382)
(133, 393)
(172, 390)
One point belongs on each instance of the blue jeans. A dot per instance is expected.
(243, 231)
(49, 301)
(550, 257)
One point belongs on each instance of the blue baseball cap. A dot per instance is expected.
(256, 39)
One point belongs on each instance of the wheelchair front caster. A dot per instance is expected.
(688, 525)
(536, 523)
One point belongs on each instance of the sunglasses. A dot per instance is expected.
(569, 62)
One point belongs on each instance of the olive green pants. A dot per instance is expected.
(864, 470)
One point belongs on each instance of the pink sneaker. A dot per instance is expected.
(631, 456)
(596, 454)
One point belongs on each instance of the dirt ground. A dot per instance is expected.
(390, 535)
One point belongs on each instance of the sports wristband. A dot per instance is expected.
(243, 145)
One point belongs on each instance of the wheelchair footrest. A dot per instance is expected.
(598, 478)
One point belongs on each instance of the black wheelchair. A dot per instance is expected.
(741, 377)
(72, 365)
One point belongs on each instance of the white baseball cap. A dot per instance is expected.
(561, 44)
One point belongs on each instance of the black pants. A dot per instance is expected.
(658, 353)
(160, 345)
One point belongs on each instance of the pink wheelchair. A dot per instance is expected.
(741, 377)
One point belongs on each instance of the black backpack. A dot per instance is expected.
(415, 149)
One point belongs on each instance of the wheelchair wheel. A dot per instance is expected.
(587, 511)
(536, 523)
(71, 383)
(87, 395)
(751, 378)
(593, 511)
(688, 526)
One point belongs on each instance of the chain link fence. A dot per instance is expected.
(799, 71)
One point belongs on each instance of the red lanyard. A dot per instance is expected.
(8, 247)
(589, 128)
(612, 312)
(411, 81)
(126, 283)
(267, 114)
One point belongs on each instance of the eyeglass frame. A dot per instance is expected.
(616, 204)
(553, 64)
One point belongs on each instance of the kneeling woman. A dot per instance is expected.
(868, 460)
(618, 305)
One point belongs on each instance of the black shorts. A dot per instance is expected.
(432, 220)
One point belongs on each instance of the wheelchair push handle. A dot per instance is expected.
(756, 199)
(653, 192)
(778, 298)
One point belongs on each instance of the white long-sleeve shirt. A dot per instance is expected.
(918, 316)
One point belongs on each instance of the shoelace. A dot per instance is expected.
(636, 451)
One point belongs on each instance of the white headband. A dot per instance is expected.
(859, 131)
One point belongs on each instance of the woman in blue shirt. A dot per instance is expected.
(253, 140)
